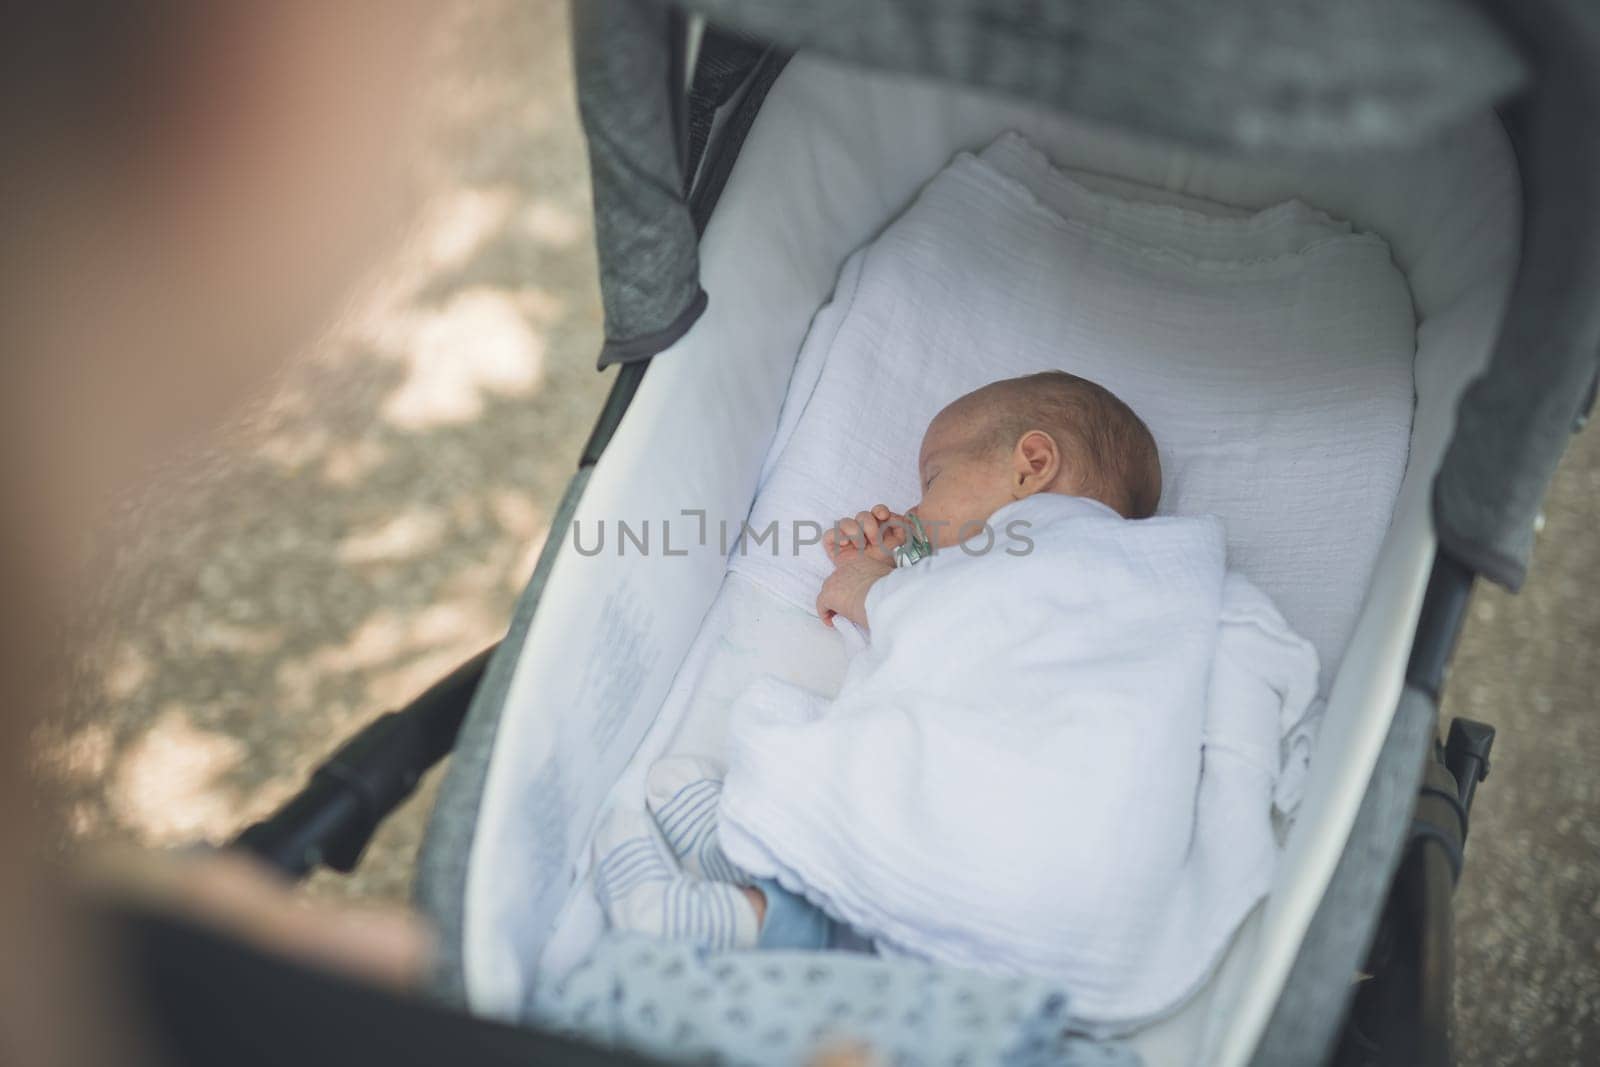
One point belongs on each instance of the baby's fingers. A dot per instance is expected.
(869, 527)
(896, 529)
(824, 612)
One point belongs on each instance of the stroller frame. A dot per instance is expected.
(1387, 912)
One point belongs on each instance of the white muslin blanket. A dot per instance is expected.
(1057, 762)
(1270, 353)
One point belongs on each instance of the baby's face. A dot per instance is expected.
(962, 485)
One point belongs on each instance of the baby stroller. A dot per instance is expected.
(1384, 113)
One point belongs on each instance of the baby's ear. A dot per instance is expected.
(1036, 461)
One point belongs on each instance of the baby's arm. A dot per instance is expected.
(845, 591)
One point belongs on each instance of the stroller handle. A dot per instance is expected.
(333, 818)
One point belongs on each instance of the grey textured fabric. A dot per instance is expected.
(764, 1007)
(441, 883)
(1296, 75)
(649, 264)
(722, 151)
(1515, 421)
(1314, 999)
(723, 66)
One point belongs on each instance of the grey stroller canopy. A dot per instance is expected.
(1261, 77)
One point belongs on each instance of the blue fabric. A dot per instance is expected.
(774, 1007)
(793, 922)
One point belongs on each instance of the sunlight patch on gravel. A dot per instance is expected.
(168, 787)
(456, 225)
(405, 536)
(477, 344)
(551, 224)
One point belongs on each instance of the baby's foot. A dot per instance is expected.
(641, 889)
(683, 792)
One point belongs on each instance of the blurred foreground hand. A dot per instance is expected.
(238, 895)
(190, 189)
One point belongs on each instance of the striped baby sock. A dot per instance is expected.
(641, 889)
(683, 792)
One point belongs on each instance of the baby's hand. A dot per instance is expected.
(874, 534)
(845, 591)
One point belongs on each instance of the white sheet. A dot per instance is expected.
(1010, 778)
(1158, 219)
(1270, 353)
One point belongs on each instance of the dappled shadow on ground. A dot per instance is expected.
(369, 525)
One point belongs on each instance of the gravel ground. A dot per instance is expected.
(1528, 909)
(369, 525)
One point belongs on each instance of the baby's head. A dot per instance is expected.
(1044, 433)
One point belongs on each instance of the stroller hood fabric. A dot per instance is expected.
(1298, 77)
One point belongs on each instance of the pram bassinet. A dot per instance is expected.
(1429, 168)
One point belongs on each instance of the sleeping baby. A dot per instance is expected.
(1044, 433)
(1008, 777)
